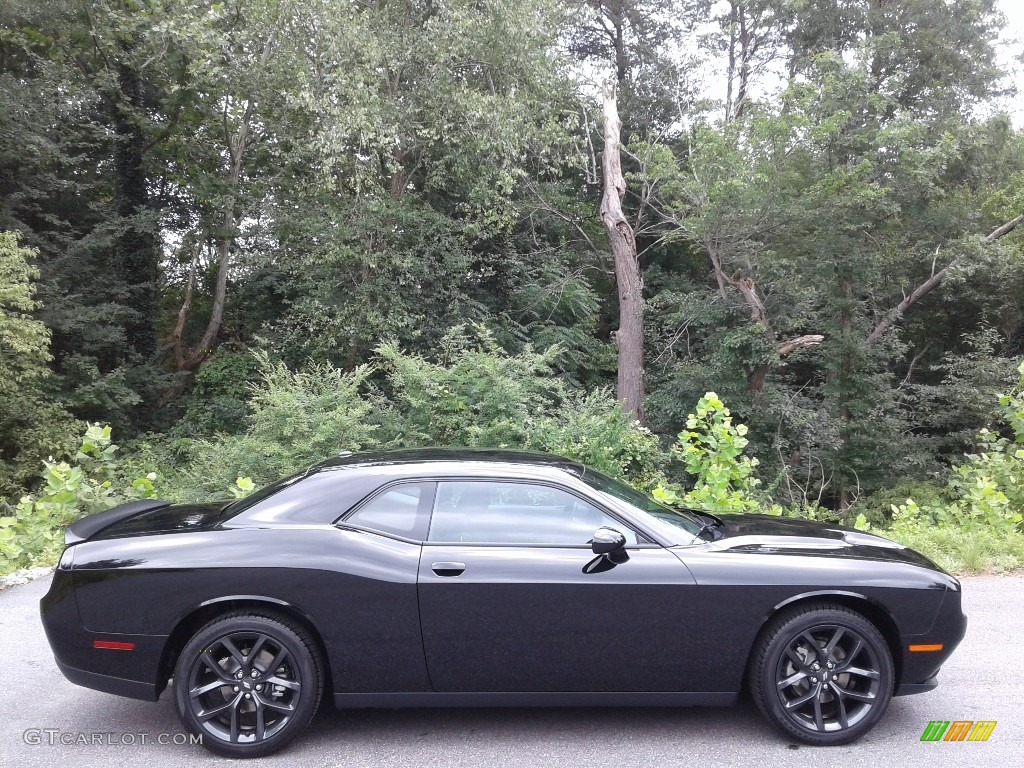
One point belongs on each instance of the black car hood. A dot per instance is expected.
(793, 536)
(168, 519)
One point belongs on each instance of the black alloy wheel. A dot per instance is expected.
(822, 673)
(248, 684)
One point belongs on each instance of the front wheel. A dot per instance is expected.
(248, 684)
(822, 674)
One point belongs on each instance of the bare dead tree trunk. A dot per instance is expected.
(629, 339)
(932, 283)
(716, 263)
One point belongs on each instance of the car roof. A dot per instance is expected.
(469, 458)
(349, 477)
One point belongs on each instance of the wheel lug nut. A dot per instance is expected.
(248, 696)
(259, 687)
(240, 674)
(814, 679)
(236, 689)
(816, 667)
(255, 673)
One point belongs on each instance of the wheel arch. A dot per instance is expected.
(877, 614)
(205, 612)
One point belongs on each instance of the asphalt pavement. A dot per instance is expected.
(48, 721)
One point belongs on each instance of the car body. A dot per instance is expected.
(457, 577)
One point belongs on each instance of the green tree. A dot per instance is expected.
(31, 425)
(825, 215)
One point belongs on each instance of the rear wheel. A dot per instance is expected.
(248, 684)
(823, 674)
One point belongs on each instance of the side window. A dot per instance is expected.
(483, 512)
(400, 510)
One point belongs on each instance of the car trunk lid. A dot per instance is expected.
(145, 517)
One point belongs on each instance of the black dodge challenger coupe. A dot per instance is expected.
(488, 578)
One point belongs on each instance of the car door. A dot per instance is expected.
(512, 599)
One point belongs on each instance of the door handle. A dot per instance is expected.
(448, 569)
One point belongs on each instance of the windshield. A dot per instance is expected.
(641, 503)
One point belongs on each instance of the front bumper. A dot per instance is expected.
(920, 668)
(909, 689)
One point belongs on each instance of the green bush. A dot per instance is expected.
(986, 492)
(711, 448)
(877, 507)
(218, 400)
(474, 394)
(296, 418)
(964, 551)
(33, 534)
(594, 430)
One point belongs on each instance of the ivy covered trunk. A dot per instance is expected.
(137, 247)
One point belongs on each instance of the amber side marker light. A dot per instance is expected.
(925, 648)
(112, 645)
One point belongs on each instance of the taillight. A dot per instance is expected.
(113, 645)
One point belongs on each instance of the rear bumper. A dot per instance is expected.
(133, 673)
(119, 686)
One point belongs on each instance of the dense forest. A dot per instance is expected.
(247, 234)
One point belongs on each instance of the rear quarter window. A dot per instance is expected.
(316, 498)
(399, 510)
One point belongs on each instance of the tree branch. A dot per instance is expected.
(1005, 229)
(932, 283)
(787, 347)
(186, 305)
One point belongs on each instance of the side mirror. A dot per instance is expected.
(606, 541)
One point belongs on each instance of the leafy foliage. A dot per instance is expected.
(218, 400)
(88, 483)
(31, 424)
(711, 448)
(295, 419)
(397, 205)
(473, 395)
(987, 491)
(594, 429)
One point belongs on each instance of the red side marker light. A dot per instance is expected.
(112, 645)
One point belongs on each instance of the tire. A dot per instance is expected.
(796, 689)
(248, 683)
